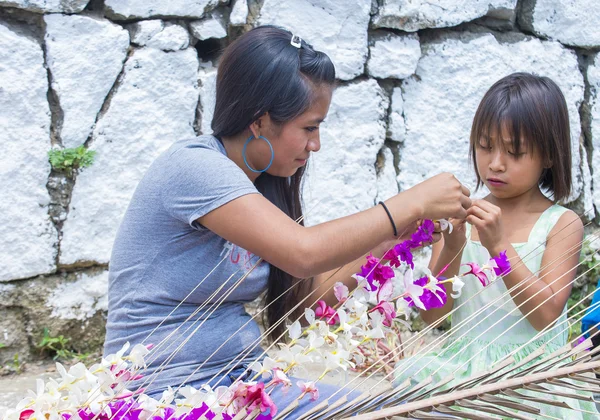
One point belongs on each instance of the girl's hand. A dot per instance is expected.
(487, 218)
(455, 240)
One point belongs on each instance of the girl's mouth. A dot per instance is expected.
(496, 182)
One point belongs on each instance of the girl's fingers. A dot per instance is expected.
(486, 205)
(479, 212)
(475, 221)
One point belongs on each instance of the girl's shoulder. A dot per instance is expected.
(557, 223)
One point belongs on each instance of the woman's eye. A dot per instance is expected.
(311, 129)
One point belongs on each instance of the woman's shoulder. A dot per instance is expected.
(198, 146)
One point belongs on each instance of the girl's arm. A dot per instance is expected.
(448, 251)
(558, 269)
(257, 225)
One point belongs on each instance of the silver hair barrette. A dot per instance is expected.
(296, 41)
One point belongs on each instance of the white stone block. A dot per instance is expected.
(342, 179)
(412, 15)
(239, 13)
(154, 106)
(452, 77)
(387, 185)
(338, 28)
(394, 56)
(158, 34)
(396, 126)
(570, 22)
(213, 26)
(47, 6)
(593, 78)
(207, 81)
(82, 299)
(136, 9)
(28, 238)
(85, 56)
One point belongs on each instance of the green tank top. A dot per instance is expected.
(502, 322)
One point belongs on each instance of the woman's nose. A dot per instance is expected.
(314, 145)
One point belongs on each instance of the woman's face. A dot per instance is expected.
(293, 141)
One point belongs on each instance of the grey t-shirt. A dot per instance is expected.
(161, 254)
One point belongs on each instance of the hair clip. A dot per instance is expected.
(296, 41)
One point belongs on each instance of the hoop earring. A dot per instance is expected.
(246, 161)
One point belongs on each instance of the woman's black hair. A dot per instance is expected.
(263, 72)
(533, 110)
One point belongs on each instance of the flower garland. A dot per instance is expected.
(357, 332)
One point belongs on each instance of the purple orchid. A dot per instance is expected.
(502, 264)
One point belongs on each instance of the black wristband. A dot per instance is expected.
(391, 218)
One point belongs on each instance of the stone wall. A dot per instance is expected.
(125, 78)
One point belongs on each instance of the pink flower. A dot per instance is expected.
(479, 273)
(25, 414)
(340, 291)
(387, 310)
(281, 378)
(324, 311)
(309, 388)
(257, 397)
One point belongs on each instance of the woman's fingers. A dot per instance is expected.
(465, 190)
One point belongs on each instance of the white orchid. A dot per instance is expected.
(457, 285)
(445, 224)
(414, 291)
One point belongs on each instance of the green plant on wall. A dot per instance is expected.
(71, 159)
(57, 347)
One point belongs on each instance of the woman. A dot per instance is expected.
(208, 206)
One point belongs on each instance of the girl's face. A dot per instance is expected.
(506, 172)
(294, 141)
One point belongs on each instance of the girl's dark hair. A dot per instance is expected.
(263, 72)
(533, 110)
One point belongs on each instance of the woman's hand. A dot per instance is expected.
(441, 197)
(487, 218)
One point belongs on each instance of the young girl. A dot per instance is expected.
(520, 147)
(210, 206)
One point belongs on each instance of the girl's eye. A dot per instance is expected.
(484, 146)
(516, 155)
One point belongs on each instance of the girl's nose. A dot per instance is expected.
(497, 162)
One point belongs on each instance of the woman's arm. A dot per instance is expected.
(258, 226)
(558, 269)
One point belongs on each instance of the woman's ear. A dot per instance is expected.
(258, 125)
